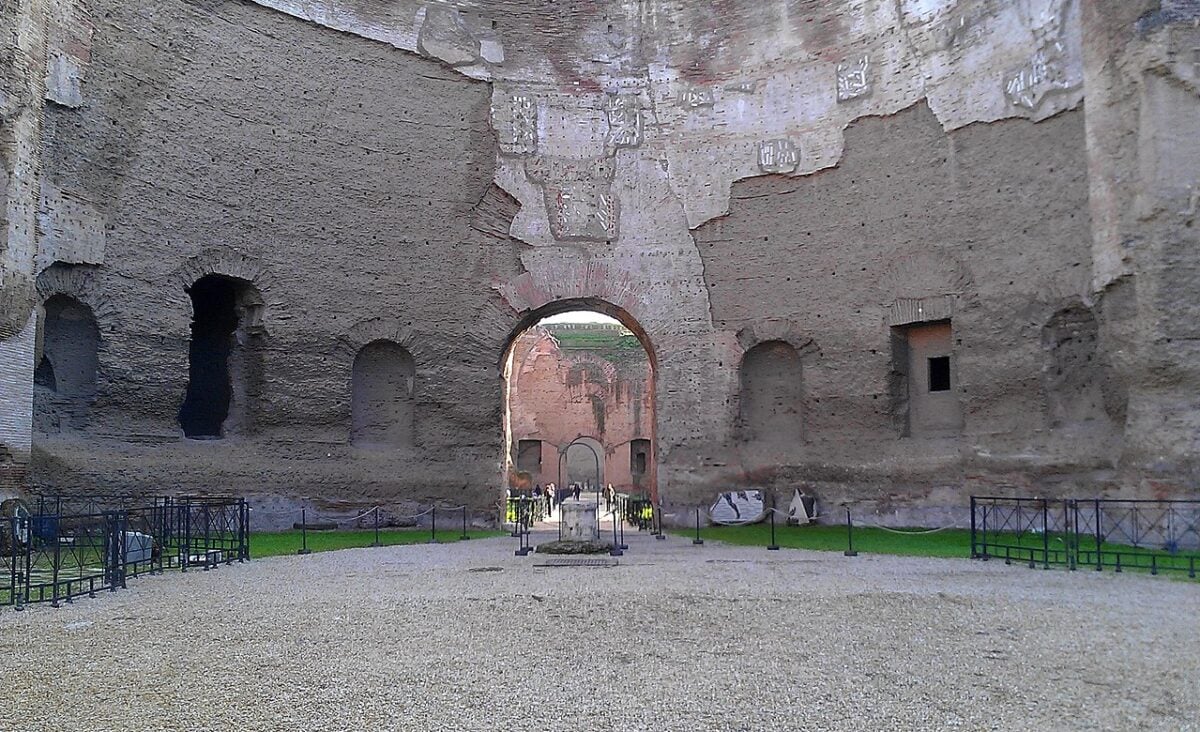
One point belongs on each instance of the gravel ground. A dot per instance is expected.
(468, 637)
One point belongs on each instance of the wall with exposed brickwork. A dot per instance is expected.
(717, 176)
(558, 396)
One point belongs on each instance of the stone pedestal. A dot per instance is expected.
(579, 521)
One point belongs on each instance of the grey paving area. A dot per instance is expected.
(674, 637)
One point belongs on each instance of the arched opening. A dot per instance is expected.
(584, 463)
(1073, 371)
(578, 386)
(225, 369)
(381, 396)
(65, 376)
(772, 398)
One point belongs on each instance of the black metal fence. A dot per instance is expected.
(66, 547)
(1098, 533)
(637, 509)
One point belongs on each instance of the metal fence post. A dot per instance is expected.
(773, 546)
(121, 556)
(660, 535)
(984, 534)
(376, 527)
(186, 507)
(523, 547)
(1068, 531)
(208, 556)
(849, 535)
(1045, 534)
(1099, 538)
(17, 594)
(616, 550)
(433, 525)
(244, 525)
(697, 541)
(28, 559)
(54, 573)
(465, 536)
(974, 554)
(304, 532)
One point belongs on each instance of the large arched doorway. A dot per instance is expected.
(578, 390)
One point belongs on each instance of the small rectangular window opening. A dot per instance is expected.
(638, 452)
(939, 373)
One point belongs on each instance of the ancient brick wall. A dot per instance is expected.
(249, 145)
(824, 178)
(558, 396)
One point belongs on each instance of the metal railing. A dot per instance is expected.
(1118, 534)
(52, 556)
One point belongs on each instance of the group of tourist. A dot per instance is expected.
(555, 495)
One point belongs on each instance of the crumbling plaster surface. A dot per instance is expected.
(1142, 71)
(700, 87)
(22, 87)
(1008, 248)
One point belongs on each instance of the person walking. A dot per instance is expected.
(550, 498)
(578, 491)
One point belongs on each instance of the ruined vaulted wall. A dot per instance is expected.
(987, 226)
(720, 175)
(335, 175)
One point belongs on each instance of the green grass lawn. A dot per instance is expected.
(949, 543)
(279, 543)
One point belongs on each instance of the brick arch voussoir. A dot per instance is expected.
(78, 283)
(778, 329)
(227, 262)
(368, 331)
(570, 282)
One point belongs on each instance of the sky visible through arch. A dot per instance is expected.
(579, 316)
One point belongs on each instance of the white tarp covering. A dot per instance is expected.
(798, 513)
(739, 507)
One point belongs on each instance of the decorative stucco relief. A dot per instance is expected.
(578, 196)
(624, 121)
(853, 78)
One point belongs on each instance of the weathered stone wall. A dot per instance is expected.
(819, 174)
(1142, 70)
(987, 227)
(558, 396)
(23, 43)
(334, 175)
